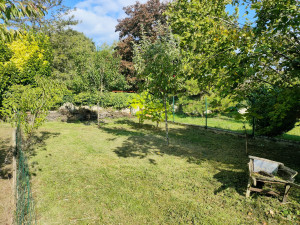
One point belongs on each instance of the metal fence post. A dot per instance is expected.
(206, 113)
(173, 109)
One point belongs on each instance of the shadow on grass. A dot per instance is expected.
(197, 146)
(194, 145)
(5, 159)
(231, 179)
(38, 141)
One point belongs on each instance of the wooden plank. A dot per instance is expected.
(264, 191)
(263, 159)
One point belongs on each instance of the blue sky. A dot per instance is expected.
(99, 17)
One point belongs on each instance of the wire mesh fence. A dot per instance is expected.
(206, 114)
(25, 212)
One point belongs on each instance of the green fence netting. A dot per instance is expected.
(25, 212)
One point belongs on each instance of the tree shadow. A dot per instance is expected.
(197, 146)
(38, 141)
(232, 179)
(5, 159)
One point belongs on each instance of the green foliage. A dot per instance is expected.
(32, 103)
(107, 99)
(23, 59)
(73, 55)
(104, 73)
(141, 19)
(276, 110)
(208, 37)
(149, 108)
(238, 59)
(195, 105)
(15, 10)
(158, 64)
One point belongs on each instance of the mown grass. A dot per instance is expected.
(6, 182)
(124, 173)
(228, 123)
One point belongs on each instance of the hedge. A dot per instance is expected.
(108, 99)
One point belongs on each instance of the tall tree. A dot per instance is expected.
(241, 59)
(72, 51)
(158, 64)
(140, 17)
(104, 73)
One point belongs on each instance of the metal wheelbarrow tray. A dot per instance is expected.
(267, 171)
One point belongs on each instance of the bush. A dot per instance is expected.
(276, 111)
(195, 105)
(108, 99)
(149, 108)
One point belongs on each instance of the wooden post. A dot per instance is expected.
(286, 191)
(248, 188)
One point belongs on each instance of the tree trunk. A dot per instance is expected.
(246, 136)
(166, 120)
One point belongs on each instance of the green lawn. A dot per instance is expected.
(227, 123)
(124, 173)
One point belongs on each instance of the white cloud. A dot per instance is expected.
(99, 18)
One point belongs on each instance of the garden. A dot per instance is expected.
(157, 127)
(123, 173)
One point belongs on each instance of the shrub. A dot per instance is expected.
(276, 111)
(108, 99)
(195, 105)
(149, 108)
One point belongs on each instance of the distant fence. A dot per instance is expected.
(206, 116)
(25, 213)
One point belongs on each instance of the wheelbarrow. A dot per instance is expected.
(263, 171)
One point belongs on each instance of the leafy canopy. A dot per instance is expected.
(158, 64)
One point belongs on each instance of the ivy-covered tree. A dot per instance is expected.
(140, 17)
(158, 64)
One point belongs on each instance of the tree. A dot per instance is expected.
(14, 10)
(30, 105)
(23, 59)
(141, 17)
(104, 73)
(158, 64)
(72, 51)
(239, 59)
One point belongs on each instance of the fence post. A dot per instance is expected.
(173, 109)
(14, 141)
(253, 126)
(206, 113)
